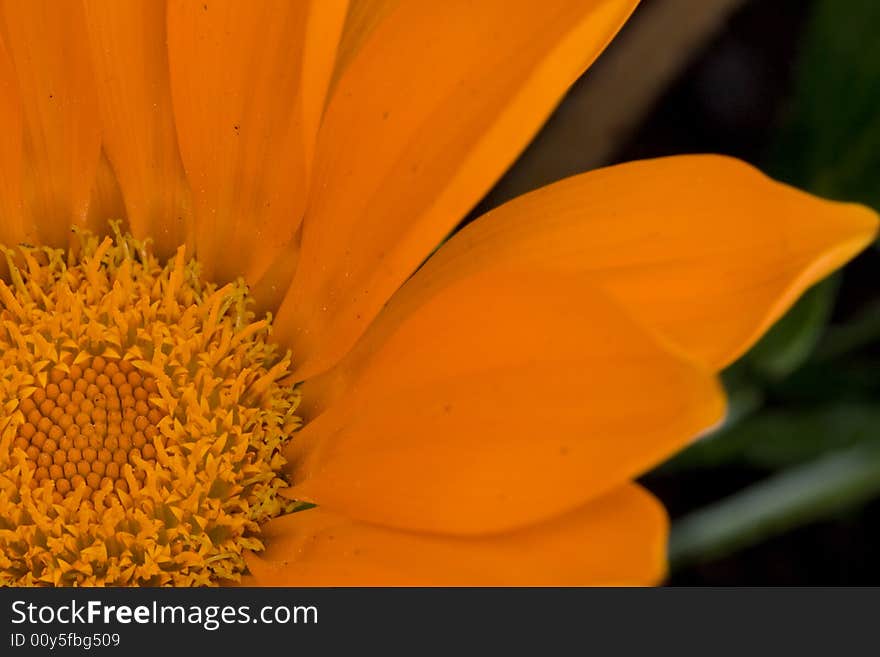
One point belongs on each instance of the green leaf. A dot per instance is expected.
(722, 446)
(792, 339)
(744, 398)
(844, 339)
(777, 439)
(853, 380)
(814, 491)
(782, 438)
(831, 142)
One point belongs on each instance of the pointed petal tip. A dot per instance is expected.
(659, 571)
(763, 243)
(839, 231)
(715, 407)
(860, 221)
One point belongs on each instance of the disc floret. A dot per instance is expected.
(144, 411)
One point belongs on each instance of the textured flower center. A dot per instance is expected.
(144, 411)
(86, 425)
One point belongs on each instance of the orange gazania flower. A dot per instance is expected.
(174, 171)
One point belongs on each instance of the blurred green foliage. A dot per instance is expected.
(830, 143)
(805, 402)
(789, 344)
(821, 488)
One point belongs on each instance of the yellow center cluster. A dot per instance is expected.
(143, 414)
(85, 425)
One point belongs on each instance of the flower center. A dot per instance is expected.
(144, 411)
(84, 426)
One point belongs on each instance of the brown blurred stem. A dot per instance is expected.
(616, 94)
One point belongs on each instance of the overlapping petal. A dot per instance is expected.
(106, 202)
(129, 51)
(436, 103)
(362, 18)
(248, 81)
(61, 140)
(706, 249)
(618, 539)
(11, 152)
(495, 401)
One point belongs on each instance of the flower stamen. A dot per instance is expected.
(143, 419)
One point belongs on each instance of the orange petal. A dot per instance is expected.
(495, 402)
(248, 81)
(128, 46)
(61, 139)
(438, 101)
(362, 18)
(270, 289)
(326, 21)
(107, 203)
(704, 248)
(11, 153)
(618, 539)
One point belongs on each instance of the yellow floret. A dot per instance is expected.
(144, 411)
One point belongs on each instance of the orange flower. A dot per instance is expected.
(477, 422)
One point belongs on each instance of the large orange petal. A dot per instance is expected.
(248, 81)
(618, 539)
(326, 20)
(128, 46)
(436, 103)
(704, 248)
(11, 153)
(494, 402)
(362, 18)
(272, 286)
(61, 133)
(107, 203)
